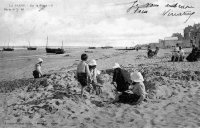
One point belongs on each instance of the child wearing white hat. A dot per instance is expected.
(136, 93)
(93, 72)
(37, 73)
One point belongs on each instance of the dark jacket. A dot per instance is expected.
(122, 79)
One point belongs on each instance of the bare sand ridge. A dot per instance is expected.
(173, 96)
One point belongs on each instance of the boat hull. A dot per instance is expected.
(8, 49)
(31, 48)
(55, 50)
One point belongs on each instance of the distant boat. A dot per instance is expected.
(55, 50)
(31, 47)
(131, 48)
(8, 48)
(92, 48)
(106, 47)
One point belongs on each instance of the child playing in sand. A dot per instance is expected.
(37, 73)
(93, 72)
(121, 78)
(136, 93)
(83, 73)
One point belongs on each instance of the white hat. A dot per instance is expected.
(40, 60)
(116, 65)
(93, 62)
(137, 77)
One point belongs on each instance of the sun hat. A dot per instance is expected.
(137, 77)
(116, 66)
(40, 60)
(93, 62)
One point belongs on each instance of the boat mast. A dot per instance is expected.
(47, 42)
(62, 45)
(29, 43)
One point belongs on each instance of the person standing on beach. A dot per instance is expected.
(136, 92)
(175, 53)
(182, 54)
(83, 72)
(94, 72)
(37, 73)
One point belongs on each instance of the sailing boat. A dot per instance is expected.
(55, 50)
(31, 48)
(8, 48)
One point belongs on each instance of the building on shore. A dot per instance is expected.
(169, 42)
(192, 34)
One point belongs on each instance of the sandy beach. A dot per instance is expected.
(54, 102)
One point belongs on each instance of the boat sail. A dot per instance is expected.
(31, 47)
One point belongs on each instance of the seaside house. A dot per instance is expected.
(192, 34)
(171, 41)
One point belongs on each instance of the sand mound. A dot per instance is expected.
(55, 101)
(40, 101)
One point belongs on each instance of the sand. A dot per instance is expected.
(173, 95)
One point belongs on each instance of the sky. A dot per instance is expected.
(90, 22)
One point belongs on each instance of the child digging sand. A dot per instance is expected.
(83, 72)
(94, 72)
(136, 92)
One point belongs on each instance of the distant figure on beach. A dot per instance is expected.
(177, 47)
(181, 54)
(83, 72)
(37, 73)
(175, 53)
(136, 92)
(121, 78)
(93, 72)
(194, 55)
(151, 53)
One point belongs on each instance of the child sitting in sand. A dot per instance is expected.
(136, 92)
(83, 73)
(93, 72)
(37, 73)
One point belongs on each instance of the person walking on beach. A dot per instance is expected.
(136, 92)
(93, 72)
(37, 73)
(121, 78)
(83, 72)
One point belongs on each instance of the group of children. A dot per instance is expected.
(129, 86)
(151, 53)
(87, 73)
